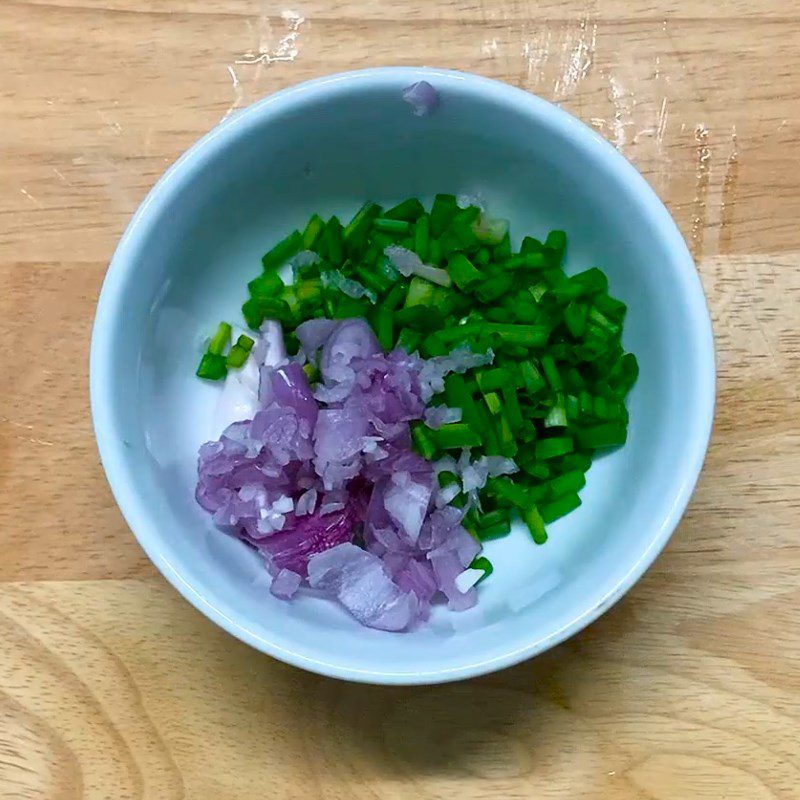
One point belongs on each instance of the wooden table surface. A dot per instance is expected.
(111, 686)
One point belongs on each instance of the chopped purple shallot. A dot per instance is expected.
(422, 98)
(323, 483)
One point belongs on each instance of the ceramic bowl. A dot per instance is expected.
(326, 146)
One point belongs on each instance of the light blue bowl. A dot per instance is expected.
(327, 146)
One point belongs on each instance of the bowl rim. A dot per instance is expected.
(112, 449)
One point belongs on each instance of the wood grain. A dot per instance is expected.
(112, 687)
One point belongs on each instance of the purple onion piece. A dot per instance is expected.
(422, 98)
(360, 582)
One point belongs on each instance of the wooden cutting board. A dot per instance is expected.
(111, 686)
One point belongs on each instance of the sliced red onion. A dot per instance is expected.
(434, 370)
(352, 338)
(474, 475)
(305, 536)
(306, 503)
(436, 416)
(262, 480)
(468, 578)
(314, 333)
(422, 98)
(270, 349)
(447, 494)
(289, 387)
(470, 200)
(407, 263)
(285, 584)
(359, 581)
(347, 286)
(406, 501)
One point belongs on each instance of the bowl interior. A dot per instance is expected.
(327, 147)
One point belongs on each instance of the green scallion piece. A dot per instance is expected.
(551, 372)
(355, 234)
(556, 417)
(566, 483)
(447, 478)
(212, 367)
(312, 232)
(422, 230)
(492, 400)
(268, 284)
(575, 318)
(409, 339)
(409, 210)
(533, 519)
(333, 239)
(420, 292)
(422, 441)
(490, 380)
(236, 357)
(245, 342)
(283, 251)
(384, 327)
(507, 489)
(530, 245)
(531, 377)
(553, 447)
(395, 227)
(220, 340)
(609, 434)
(462, 272)
(443, 210)
(559, 508)
(526, 261)
(455, 435)
(512, 408)
(482, 563)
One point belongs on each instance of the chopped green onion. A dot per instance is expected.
(443, 210)
(422, 229)
(551, 448)
(409, 339)
(245, 342)
(236, 356)
(334, 241)
(312, 232)
(212, 367)
(420, 292)
(490, 380)
(462, 271)
(551, 372)
(447, 478)
(531, 377)
(527, 261)
(220, 340)
(566, 483)
(455, 435)
(355, 233)
(492, 400)
(384, 327)
(409, 210)
(533, 519)
(482, 563)
(392, 226)
(268, 284)
(422, 441)
(609, 434)
(556, 417)
(559, 508)
(283, 251)
(512, 409)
